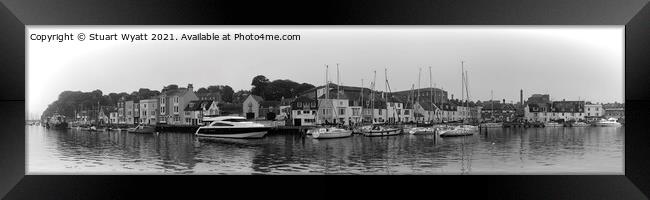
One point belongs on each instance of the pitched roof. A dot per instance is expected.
(257, 98)
(269, 103)
(176, 92)
(198, 105)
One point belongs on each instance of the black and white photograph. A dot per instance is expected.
(324, 100)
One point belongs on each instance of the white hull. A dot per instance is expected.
(327, 135)
(607, 124)
(553, 125)
(459, 131)
(381, 133)
(259, 134)
(421, 131)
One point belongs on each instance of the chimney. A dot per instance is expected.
(504, 101)
(190, 87)
(521, 97)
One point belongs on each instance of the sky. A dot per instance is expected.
(567, 62)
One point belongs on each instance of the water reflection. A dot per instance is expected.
(510, 151)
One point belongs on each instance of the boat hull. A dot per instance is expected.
(145, 130)
(381, 133)
(255, 132)
(459, 132)
(329, 135)
(607, 125)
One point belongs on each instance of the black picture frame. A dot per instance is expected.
(16, 14)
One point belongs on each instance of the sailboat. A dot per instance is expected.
(377, 129)
(492, 124)
(464, 129)
(430, 129)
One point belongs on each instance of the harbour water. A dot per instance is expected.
(578, 150)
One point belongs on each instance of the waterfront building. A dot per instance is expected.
(197, 109)
(103, 116)
(555, 111)
(172, 102)
(594, 112)
(121, 111)
(303, 111)
(129, 109)
(497, 111)
(113, 116)
(251, 106)
(268, 107)
(395, 111)
(614, 110)
(149, 111)
(333, 111)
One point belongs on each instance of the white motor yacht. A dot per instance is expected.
(232, 127)
(608, 122)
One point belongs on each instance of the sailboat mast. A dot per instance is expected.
(374, 81)
(462, 81)
(419, 73)
(430, 90)
(492, 100)
(327, 83)
(338, 82)
(362, 100)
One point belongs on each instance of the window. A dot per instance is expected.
(380, 111)
(297, 112)
(299, 105)
(406, 112)
(341, 111)
(235, 120)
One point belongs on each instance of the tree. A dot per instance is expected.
(227, 94)
(240, 96)
(259, 84)
(169, 87)
(202, 91)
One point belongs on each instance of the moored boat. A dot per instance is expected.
(331, 132)
(142, 129)
(232, 127)
(461, 130)
(381, 131)
(611, 122)
(57, 121)
(552, 124)
(580, 124)
(421, 130)
(491, 125)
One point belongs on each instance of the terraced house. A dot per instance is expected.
(172, 102)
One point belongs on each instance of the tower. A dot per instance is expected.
(521, 98)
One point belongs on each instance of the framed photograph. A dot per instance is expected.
(513, 100)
